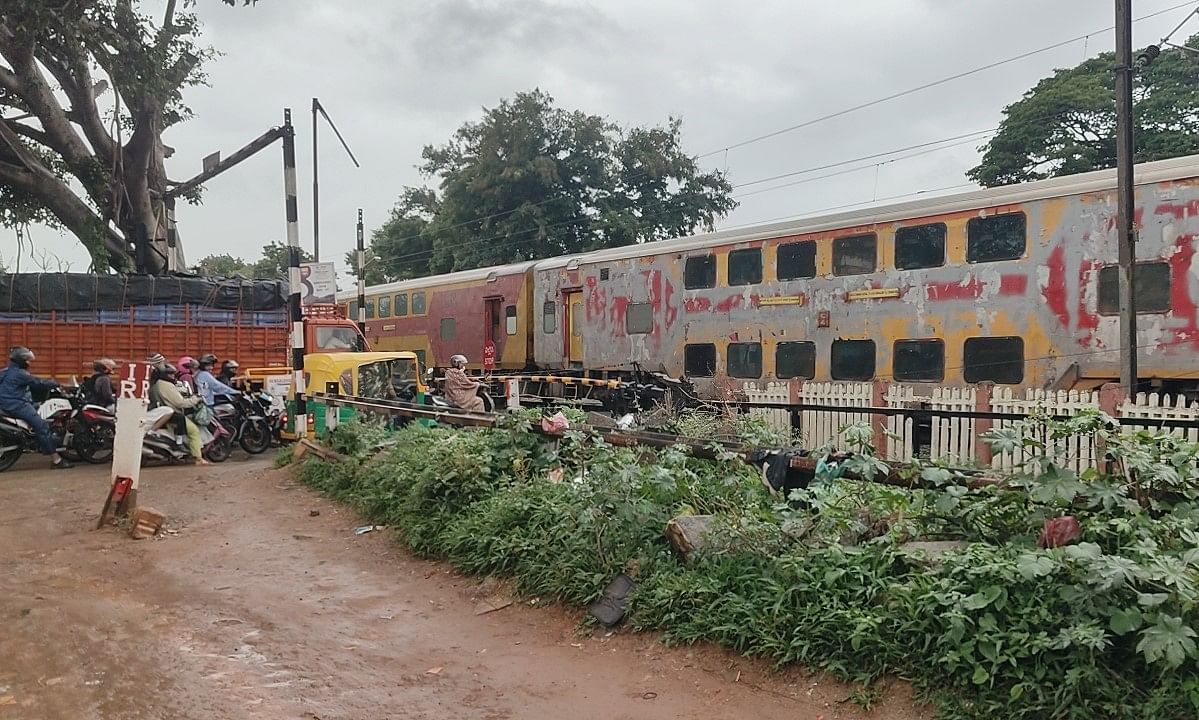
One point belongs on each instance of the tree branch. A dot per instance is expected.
(18, 148)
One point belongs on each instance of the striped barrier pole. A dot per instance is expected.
(293, 274)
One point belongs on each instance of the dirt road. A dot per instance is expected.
(257, 608)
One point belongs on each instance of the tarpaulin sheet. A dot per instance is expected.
(65, 292)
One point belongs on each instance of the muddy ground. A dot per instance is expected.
(254, 606)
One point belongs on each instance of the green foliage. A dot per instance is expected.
(1066, 124)
(271, 266)
(1106, 627)
(531, 180)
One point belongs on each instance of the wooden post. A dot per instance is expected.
(878, 423)
(982, 403)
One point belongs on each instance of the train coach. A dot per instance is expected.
(1014, 285)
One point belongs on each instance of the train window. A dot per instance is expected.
(418, 303)
(449, 328)
(796, 260)
(353, 310)
(745, 360)
(384, 307)
(998, 359)
(745, 266)
(639, 318)
(855, 254)
(795, 360)
(549, 318)
(994, 238)
(852, 360)
(603, 273)
(1152, 283)
(401, 305)
(699, 272)
(699, 360)
(920, 246)
(370, 309)
(919, 360)
(510, 319)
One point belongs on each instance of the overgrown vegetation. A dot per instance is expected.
(1097, 620)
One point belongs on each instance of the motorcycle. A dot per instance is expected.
(17, 436)
(245, 421)
(162, 443)
(93, 430)
(274, 412)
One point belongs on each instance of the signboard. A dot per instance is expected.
(277, 385)
(318, 284)
(872, 294)
(489, 355)
(134, 381)
(780, 300)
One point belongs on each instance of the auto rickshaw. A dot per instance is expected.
(383, 375)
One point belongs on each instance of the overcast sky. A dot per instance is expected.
(399, 74)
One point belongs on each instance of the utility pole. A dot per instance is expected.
(293, 274)
(361, 278)
(316, 191)
(1126, 199)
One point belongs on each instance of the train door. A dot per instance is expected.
(574, 327)
(492, 331)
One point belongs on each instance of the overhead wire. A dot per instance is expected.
(839, 113)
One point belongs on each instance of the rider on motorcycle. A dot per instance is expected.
(460, 390)
(16, 400)
(187, 371)
(97, 389)
(165, 392)
(206, 383)
(228, 373)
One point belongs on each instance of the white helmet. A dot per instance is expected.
(458, 361)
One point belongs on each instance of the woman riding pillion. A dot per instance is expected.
(164, 392)
(460, 390)
(97, 389)
(16, 400)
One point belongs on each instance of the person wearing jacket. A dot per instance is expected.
(207, 386)
(460, 390)
(97, 389)
(16, 400)
(165, 392)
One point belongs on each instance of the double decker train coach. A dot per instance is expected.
(457, 313)
(1014, 285)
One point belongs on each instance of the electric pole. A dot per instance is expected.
(293, 274)
(1126, 199)
(316, 188)
(361, 278)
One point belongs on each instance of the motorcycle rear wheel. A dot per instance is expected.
(94, 445)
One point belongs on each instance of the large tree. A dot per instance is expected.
(87, 88)
(271, 266)
(531, 180)
(1067, 123)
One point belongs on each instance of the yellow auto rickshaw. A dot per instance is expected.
(383, 375)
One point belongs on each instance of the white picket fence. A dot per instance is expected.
(775, 392)
(954, 439)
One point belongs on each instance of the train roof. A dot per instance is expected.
(1097, 181)
(435, 280)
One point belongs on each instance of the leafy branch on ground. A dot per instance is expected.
(1100, 625)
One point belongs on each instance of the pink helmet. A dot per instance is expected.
(187, 362)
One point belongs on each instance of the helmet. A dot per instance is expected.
(104, 365)
(21, 355)
(187, 362)
(156, 359)
(458, 361)
(208, 360)
(230, 365)
(168, 372)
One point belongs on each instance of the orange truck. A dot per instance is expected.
(67, 338)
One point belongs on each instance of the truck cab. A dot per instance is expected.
(327, 329)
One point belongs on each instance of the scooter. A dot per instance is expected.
(161, 443)
(17, 436)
